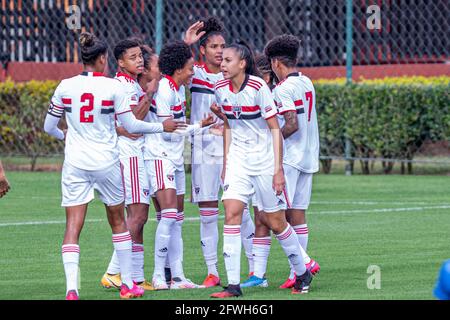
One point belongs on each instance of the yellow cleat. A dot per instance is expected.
(147, 286)
(111, 281)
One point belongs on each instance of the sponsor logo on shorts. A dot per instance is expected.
(146, 192)
(225, 187)
(170, 177)
(197, 190)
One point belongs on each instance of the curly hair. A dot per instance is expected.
(284, 48)
(123, 45)
(174, 56)
(91, 48)
(212, 26)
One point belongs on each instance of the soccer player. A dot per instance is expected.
(4, 184)
(165, 162)
(207, 148)
(130, 61)
(295, 98)
(253, 149)
(90, 101)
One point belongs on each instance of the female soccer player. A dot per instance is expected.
(131, 64)
(295, 98)
(253, 149)
(90, 101)
(207, 148)
(165, 151)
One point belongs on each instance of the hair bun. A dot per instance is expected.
(87, 39)
(211, 24)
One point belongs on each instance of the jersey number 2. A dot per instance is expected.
(87, 108)
(309, 97)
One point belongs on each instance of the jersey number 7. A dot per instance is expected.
(309, 97)
(89, 97)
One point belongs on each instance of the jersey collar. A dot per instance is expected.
(244, 84)
(92, 74)
(293, 74)
(172, 82)
(126, 76)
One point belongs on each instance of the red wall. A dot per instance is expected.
(56, 71)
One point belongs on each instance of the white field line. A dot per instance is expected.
(192, 219)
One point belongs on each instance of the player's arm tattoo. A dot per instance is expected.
(291, 124)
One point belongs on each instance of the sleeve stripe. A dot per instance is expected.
(271, 116)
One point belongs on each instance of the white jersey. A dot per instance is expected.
(247, 111)
(301, 149)
(90, 101)
(168, 101)
(202, 97)
(128, 147)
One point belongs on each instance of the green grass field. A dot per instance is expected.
(399, 223)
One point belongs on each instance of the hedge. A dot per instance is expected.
(386, 118)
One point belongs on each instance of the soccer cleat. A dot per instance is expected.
(302, 283)
(254, 281)
(178, 283)
(228, 292)
(211, 281)
(127, 293)
(147, 286)
(159, 283)
(111, 281)
(168, 275)
(289, 283)
(313, 267)
(72, 295)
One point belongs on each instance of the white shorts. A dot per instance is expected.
(164, 174)
(206, 173)
(298, 187)
(78, 185)
(241, 187)
(135, 180)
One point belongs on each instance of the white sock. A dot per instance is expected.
(209, 237)
(176, 248)
(71, 260)
(306, 259)
(162, 239)
(302, 234)
(138, 262)
(232, 252)
(114, 265)
(122, 244)
(248, 232)
(291, 247)
(261, 250)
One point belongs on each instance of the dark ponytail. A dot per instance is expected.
(91, 48)
(245, 53)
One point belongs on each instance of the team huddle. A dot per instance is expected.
(254, 134)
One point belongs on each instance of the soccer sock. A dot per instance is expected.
(162, 239)
(291, 247)
(158, 219)
(209, 237)
(114, 265)
(122, 244)
(176, 248)
(138, 262)
(71, 259)
(306, 259)
(248, 232)
(302, 234)
(232, 252)
(261, 250)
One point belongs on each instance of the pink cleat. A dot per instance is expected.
(127, 293)
(313, 267)
(72, 295)
(289, 283)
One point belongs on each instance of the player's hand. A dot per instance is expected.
(208, 119)
(152, 87)
(171, 125)
(4, 186)
(217, 111)
(192, 34)
(278, 182)
(217, 129)
(121, 131)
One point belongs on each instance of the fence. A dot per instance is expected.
(341, 38)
